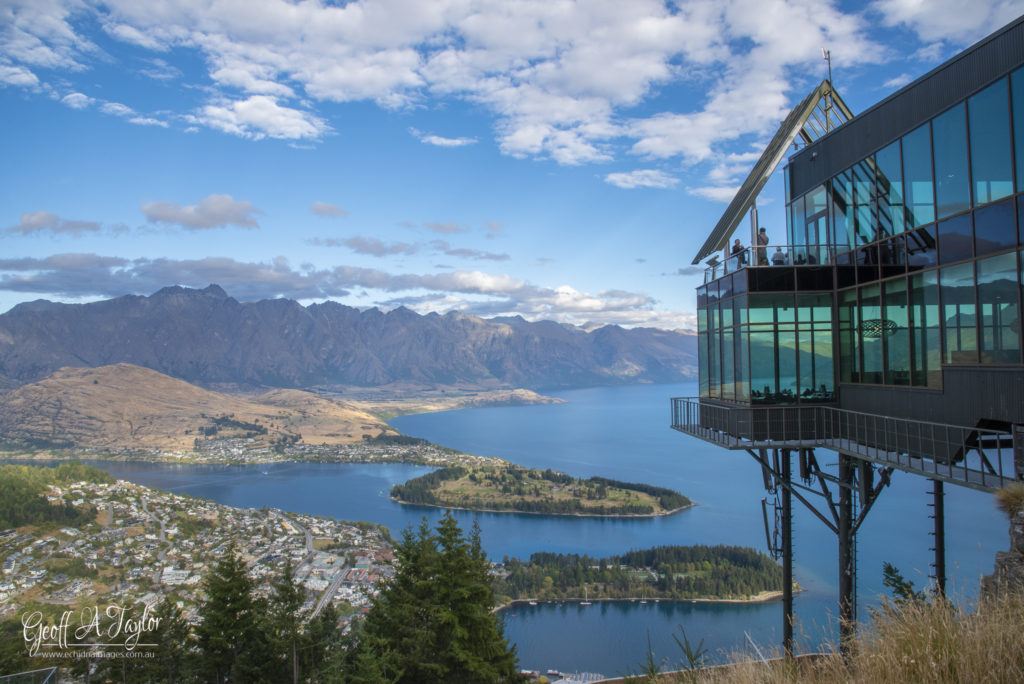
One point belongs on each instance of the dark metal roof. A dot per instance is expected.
(818, 113)
(944, 86)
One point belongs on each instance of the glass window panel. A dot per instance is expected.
(999, 309)
(995, 228)
(921, 248)
(865, 219)
(787, 365)
(918, 188)
(842, 212)
(1017, 96)
(895, 333)
(714, 364)
(955, 242)
(703, 369)
(959, 316)
(814, 336)
(728, 364)
(742, 381)
(952, 189)
(702, 296)
(890, 189)
(989, 120)
(849, 349)
(925, 330)
(869, 332)
(763, 375)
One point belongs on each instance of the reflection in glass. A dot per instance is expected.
(925, 330)
(959, 317)
(865, 221)
(1017, 96)
(890, 190)
(999, 309)
(871, 332)
(849, 350)
(842, 212)
(995, 228)
(917, 177)
(894, 333)
(989, 117)
(952, 190)
(955, 239)
(814, 340)
(921, 251)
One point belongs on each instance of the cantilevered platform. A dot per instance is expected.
(974, 457)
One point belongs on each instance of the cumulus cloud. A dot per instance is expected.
(948, 20)
(216, 211)
(642, 178)
(76, 100)
(47, 222)
(258, 117)
(17, 76)
(90, 275)
(440, 141)
(328, 209)
(557, 76)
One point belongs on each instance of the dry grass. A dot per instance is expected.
(1010, 499)
(914, 642)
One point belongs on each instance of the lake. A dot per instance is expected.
(623, 433)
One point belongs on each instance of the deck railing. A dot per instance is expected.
(973, 456)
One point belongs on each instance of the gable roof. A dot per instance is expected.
(817, 114)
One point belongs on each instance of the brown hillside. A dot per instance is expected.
(130, 406)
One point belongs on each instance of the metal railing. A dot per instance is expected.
(973, 456)
(771, 255)
(47, 675)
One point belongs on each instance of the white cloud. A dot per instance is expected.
(441, 141)
(17, 76)
(215, 211)
(45, 221)
(77, 100)
(147, 121)
(261, 116)
(327, 209)
(716, 193)
(116, 109)
(948, 20)
(642, 178)
(564, 80)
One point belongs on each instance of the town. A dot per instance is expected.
(145, 545)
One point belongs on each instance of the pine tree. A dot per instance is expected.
(230, 642)
(286, 619)
(433, 620)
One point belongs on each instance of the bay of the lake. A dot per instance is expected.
(623, 433)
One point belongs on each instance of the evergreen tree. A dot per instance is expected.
(285, 628)
(230, 641)
(433, 622)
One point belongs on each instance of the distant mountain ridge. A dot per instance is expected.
(207, 338)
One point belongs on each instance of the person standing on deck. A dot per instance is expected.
(762, 247)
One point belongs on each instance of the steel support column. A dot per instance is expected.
(787, 554)
(847, 571)
(939, 519)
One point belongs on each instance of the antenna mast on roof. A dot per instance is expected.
(827, 56)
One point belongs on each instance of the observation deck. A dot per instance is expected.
(977, 457)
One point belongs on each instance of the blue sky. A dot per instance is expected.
(546, 158)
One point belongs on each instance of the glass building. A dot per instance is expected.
(887, 328)
(900, 277)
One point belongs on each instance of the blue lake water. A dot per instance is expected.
(623, 433)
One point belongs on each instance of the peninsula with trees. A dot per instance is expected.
(511, 488)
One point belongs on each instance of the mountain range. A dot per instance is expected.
(208, 338)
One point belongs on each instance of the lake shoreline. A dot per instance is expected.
(662, 514)
(763, 597)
